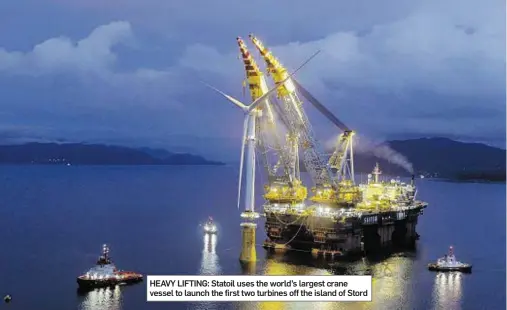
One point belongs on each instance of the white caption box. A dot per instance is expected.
(259, 288)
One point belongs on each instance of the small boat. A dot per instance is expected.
(449, 263)
(105, 274)
(210, 227)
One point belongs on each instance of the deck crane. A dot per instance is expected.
(320, 172)
(249, 140)
(342, 158)
(252, 113)
(343, 189)
(283, 186)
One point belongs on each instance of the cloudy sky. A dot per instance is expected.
(128, 71)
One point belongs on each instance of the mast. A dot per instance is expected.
(105, 251)
(104, 259)
(376, 172)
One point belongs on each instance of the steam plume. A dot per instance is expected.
(386, 152)
(379, 150)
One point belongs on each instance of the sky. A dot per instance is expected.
(129, 72)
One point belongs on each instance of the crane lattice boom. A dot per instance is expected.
(283, 185)
(297, 118)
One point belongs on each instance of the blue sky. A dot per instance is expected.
(128, 71)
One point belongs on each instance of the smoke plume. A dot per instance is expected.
(380, 150)
(386, 152)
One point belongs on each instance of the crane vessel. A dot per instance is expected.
(335, 218)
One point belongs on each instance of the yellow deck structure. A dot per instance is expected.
(283, 193)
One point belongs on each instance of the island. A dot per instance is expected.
(481, 176)
(440, 158)
(94, 154)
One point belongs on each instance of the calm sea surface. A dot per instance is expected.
(53, 221)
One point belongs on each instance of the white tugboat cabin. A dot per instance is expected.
(210, 227)
(449, 263)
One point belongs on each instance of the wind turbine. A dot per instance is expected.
(249, 140)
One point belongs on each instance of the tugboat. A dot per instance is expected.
(7, 298)
(105, 274)
(210, 227)
(449, 263)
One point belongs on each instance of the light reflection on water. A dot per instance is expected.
(103, 299)
(209, 263)
(390, 285)
(447, 290)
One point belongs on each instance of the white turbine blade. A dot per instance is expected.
(242, 159)
(268, 93)
(231, 99)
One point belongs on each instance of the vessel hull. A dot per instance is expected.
(435, 267)
(90, 284)
(345, 236)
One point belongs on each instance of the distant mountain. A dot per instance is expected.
(94, 154)
(448, 157)
(157, 153)
(433, 157)
(440, 157)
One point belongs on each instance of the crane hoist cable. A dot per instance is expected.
(273, 148)
(295, 235)
(258, 164)
(320, 107)
(287, 223)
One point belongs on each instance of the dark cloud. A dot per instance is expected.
(129, 71)
(216, 23)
